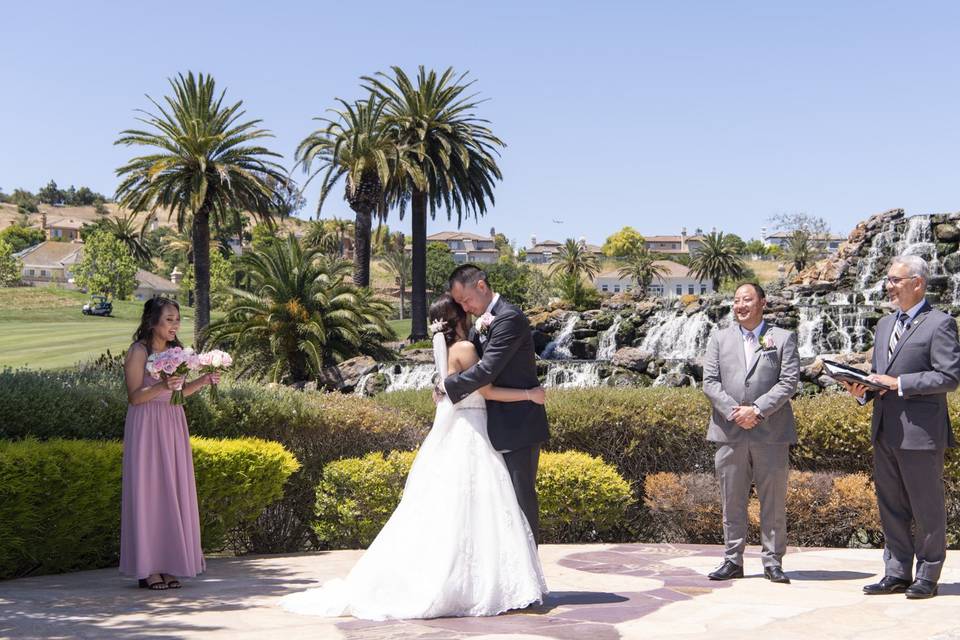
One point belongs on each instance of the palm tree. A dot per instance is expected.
(450, 164)
(205, 163)
(575, 259)
(300, 314)
(319, 235)
(716, 259)
(642, 267)
(398, 263)
(359, 146)
(800, 250)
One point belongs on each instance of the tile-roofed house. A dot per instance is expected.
(681, 244)
(150, 285)
(825, 241)
(49, 262)
(468, 247)
(63, 228)
(676, 281)
(544, 251)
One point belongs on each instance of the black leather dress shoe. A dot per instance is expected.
(727, 571)
(776, 574)
(921, 589)
(888, 584)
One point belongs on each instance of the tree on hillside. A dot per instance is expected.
(440, 264)
(755, 248)
(623, 243)
(716, 260)
(205, 162)
(20, 237)
(641, 266)
(736, 243)
(221, 280)
(10, 267)
(452, 162)
(800, 221)
(575, 259)
(359, 145)
(800, 250)
(106, 267)
(398, 264)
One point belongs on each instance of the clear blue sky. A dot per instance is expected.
(655, 115)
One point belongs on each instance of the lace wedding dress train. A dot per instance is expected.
(457, 544)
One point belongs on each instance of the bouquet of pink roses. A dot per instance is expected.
(176, 361)
(213, 361)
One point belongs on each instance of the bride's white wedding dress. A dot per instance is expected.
(457, 544)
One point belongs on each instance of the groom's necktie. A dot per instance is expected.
(897, 333)
(749, 347)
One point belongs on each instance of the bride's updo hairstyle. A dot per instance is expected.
(446, 311)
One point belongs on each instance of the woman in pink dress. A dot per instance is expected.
(159, 523)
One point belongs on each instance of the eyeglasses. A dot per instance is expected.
(894, 280)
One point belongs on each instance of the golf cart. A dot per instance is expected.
(98, 306)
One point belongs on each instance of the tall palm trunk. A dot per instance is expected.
(418, 285)
(402, 284)
(201, 272)
(361, 246)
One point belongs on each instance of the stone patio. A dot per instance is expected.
(600, 592)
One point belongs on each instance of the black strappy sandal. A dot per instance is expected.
(159, 585)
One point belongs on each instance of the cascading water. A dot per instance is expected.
(559, 349)
(405, 377)
(607, 344)
(675, 336)
(570, 375)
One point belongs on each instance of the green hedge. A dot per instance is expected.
(581, 498)
(60, 499)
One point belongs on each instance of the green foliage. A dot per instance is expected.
(736, 243)
(300, 315)
(357, 496)
(573, 291)
(60, 500)
(717, 260)
(755, 248)
(641, 267)
(10, 267)
(107, 267)
(581, 498)
(124, 228)
(26, 202)
(624, 243)
(511, 279)
(19, 237)
(71, 197)
(440, 265)
(575, 259)
(800, 249)
(221, 280)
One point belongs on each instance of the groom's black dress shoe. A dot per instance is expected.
(727, 571)
(888, 584)
(775, 574)
(921, 589)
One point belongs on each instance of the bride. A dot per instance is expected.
(458, 543)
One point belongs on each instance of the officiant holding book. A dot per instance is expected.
(916, 356)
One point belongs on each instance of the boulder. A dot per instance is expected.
(584, 349)
(632, 358)
(947, 232)
(416, 356)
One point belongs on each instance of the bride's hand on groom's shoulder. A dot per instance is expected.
(538, 395)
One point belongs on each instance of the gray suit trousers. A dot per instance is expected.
(739, 465)
(909, 486)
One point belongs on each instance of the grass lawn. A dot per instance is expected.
(401, 328)
(42, 328)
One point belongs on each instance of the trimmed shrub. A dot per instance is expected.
(823, 509)
(60, 499)
(581, 498)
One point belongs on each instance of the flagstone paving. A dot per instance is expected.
(598, 592)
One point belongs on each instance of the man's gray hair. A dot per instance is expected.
(917, 266)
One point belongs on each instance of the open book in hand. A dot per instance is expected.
(845, 373)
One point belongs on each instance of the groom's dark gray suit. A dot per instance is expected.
(910, 433)
(517, 429)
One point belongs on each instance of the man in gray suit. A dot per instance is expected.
(917, 356)
(750, 373)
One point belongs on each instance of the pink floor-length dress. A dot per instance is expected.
(160, 522)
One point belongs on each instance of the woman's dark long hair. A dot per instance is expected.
(152, 310)
(446, 310)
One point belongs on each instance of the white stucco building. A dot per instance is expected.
(676, 281)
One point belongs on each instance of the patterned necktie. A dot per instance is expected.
(898, 328)
(749, 346)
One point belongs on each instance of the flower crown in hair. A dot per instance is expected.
(437, 326)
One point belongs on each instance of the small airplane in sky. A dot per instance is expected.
(557, 221)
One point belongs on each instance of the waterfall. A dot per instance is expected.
(570, 375)
(404, 377)
(867, 280)
(362, 383)
(677, 337)
(955, 290)
(559, 349)
(811, 319)
(607, 345)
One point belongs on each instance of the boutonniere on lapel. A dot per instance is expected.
(767, 343)
(483, 323)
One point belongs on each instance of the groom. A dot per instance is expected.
(507, 359)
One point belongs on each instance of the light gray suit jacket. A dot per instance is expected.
(769, 380)
(927, 361)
